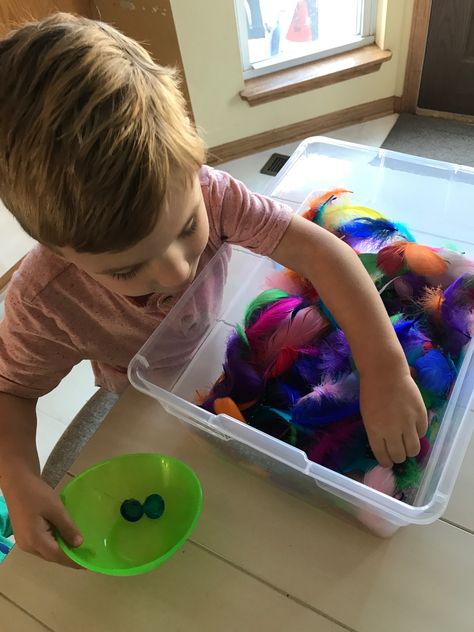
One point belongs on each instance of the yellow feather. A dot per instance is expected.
(335, 216)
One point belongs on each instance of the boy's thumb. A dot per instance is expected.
(66, 528)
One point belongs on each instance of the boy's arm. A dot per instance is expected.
(34, 508)
(391, 405)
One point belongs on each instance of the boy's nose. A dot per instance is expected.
(173, 269)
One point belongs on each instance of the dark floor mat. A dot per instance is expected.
(439, 139)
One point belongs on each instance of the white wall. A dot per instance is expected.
(209, 46)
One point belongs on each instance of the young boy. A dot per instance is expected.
(100, 164)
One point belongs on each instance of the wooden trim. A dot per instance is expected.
(451, 116)
(316, 74)
(6, 276)
(416, 55)
(303, 129)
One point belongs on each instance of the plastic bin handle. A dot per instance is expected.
(262, 442)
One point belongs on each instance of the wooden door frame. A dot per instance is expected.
(416, 55)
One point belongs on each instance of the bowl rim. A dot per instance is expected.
(149, 566)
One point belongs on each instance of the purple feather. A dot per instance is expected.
(338, 443)
(282, 395)
(456, 313)
(328, 402)
(425, 448)
(306, 368)
(334, 354)
(241, 380)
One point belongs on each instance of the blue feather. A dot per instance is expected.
(435, 373)
(376, 231)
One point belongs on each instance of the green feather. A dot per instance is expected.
(242, 335)
(428, 399)
(369, 261)
(396, 318)
(262, 300)
(407, 474)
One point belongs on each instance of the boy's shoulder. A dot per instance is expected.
(214, 180)
(37, 271)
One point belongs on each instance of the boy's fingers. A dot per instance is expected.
(396, 449)
(422, 424)
(380, 451)
(412, 443)
(49, 550)
(61, 521)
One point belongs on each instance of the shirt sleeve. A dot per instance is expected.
(243, 218)
(35, 354)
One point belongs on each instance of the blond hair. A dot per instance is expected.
(90, 130)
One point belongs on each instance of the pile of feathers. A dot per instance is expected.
(288, 369)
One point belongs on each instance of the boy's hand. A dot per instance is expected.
(35, 510)
(394, 416)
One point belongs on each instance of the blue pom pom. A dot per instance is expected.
(154, 506)
(131, 510)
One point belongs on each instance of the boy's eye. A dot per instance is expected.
(123, 276)
(190, 229)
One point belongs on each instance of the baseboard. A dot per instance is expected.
(303, 129)
(6, 276)
(450, 116)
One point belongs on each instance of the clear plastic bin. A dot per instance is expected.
(436, 200)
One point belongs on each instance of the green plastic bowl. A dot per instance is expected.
(111, 544)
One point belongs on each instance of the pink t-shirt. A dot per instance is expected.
(56, 315)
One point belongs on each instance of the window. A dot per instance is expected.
(278, 34)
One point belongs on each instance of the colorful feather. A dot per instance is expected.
(270, 317)
(297, 330)
(240, 380)
(334, 216)
(381, 479)
(371, 233)
(334, 355)
(435, 373)
(318, 203)
(407, 474)
(227, 406)
(261, 302)
(287, 281)
(405, 256)
(369, 261)
(328, 402)
(337, 442)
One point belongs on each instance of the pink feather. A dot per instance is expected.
(458, 265)
(381, 479)
(271, 318)
(345, 389)
(294, 332)
(286, 282)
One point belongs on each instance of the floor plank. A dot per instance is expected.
(421, 579)
(193, 591)
(16, 619)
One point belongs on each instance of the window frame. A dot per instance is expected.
(367, 21)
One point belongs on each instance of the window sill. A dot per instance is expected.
(316, 74)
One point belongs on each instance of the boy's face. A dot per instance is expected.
(166, 260)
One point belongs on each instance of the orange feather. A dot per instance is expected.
(424, 260)
(227, 406)
(432, 301)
